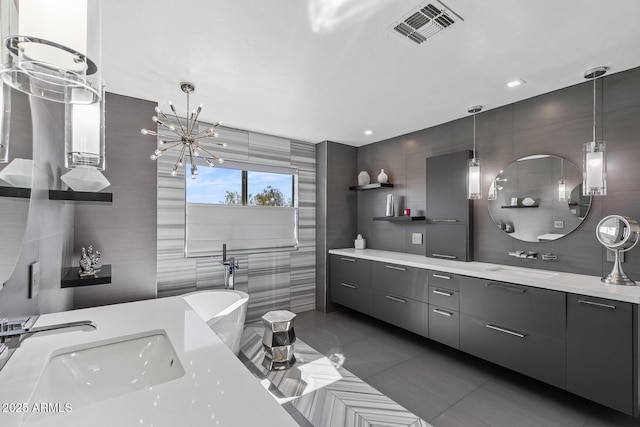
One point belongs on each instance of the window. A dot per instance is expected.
(251, 208)
(222, 186)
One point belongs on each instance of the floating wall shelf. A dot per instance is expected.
(399, 218)
(371, 186)
(23, 193)
(71, 277)
(85, 196)
(519, 207)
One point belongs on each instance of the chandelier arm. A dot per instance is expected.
(195, 118)
(202, 133)
(208, 152)
(169, 148)
(169, 141)
(180, 161)
(175, 114)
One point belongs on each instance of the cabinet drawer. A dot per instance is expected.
(538, 356)
(400, 280)
(524, 308)
(444, 326)
(444, 280)
(403, 312)
(351, 295)
(600, 351)
(444, 298)
(447, 242)
(350, 269)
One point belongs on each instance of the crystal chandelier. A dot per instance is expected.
(189, 137)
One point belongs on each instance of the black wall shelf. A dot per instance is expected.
(371, 186)
(399, 218)
(20, 192)
(71, 277)
(519, 207)
(85, 196)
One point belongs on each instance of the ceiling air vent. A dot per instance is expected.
(424, 22)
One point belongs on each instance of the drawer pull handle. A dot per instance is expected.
(444, 220)
(348, 259)
(392, 267)
(506, 331)
(346, 285)
(444, 313)
(392, 298)
(443, 293)
(444, 256)
(597, 304)
(441, 276)
(505, 287)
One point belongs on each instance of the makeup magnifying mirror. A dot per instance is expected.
(620, 234)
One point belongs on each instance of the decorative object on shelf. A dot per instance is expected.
(85, 178)
(620, 234)
(94, 257)
(359, 242)
(364, 178)
(514, 201)
(527, 201)
(18, 173)
(474, 177)
(407, 212)
(389, 208)
(51, 49)
(562, 185)
(508, 228)
(382, 177)
(86, 270)
(594, 152)
(189, 137)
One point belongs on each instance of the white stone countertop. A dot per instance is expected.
(567, 282)
(216, 389)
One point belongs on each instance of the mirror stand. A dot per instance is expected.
(617, 276)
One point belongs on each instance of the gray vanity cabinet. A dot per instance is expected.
(350, 282)
(449, 212)
(519, 327)
(600, 351)
(444, 308)
(400, 296)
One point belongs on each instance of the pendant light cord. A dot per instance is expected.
(594, 109)
(474, 136)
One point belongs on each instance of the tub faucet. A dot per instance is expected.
(231, 264)
(12, 332)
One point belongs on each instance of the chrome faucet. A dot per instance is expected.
(231, 264)
(12, 332)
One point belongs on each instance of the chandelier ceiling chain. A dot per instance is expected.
(187, 139)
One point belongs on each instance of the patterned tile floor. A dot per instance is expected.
(318, 392)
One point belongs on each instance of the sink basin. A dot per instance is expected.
(525, 272)
(100, 371)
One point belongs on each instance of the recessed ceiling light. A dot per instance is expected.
(516, 83)
(369, 132)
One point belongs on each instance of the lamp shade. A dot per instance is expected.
(474, 185)
(84, 135)
(594, 169)
(51, 49)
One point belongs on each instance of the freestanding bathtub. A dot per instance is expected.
(224, 311)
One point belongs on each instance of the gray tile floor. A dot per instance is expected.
(444, 386)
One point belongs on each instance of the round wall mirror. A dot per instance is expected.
(538, 198)
(620, 234)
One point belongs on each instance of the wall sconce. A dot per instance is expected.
(474, 184)
(562, 185)
(51, 49)
(5, 121)
(594, 159)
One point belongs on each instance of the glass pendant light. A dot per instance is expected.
(474, 184)
(594, 181)
(562, 185)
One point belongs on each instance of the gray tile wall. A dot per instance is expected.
(556, 123)
(279, 280)
(124, 231)
(49, 232)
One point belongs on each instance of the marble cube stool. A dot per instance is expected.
(278, 339)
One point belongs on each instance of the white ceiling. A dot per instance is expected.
(317, 70)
